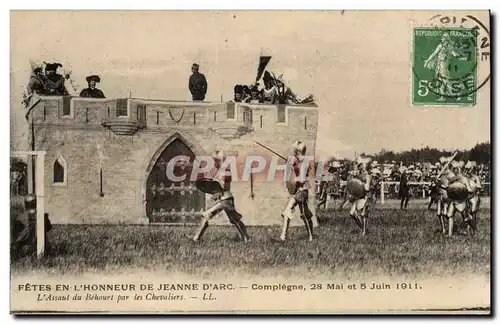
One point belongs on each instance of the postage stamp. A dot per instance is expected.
(444, 65)
(450, 61)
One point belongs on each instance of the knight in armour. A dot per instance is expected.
(475, 188)
(359, 197)
(298, 188)
(224, 200)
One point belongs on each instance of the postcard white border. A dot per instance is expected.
(185, 4)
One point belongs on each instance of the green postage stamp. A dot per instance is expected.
(444, 66)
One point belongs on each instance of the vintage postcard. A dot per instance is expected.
(251, 162)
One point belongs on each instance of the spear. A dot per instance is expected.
(99, 152)
(267, 148)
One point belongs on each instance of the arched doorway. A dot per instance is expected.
(170, 201)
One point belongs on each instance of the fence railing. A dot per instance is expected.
(385, 187)
(390, 189)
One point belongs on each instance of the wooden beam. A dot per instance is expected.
(39, 178)
(40, 205)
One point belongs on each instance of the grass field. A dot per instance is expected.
(399, 243)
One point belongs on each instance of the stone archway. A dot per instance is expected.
(169, 201)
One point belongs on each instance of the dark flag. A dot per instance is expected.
(263, 61)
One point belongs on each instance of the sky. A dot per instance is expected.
(356, 64)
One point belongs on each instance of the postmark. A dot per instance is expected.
(450, 61)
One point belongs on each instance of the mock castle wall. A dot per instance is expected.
(125, 137)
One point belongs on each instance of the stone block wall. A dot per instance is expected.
(123, 137)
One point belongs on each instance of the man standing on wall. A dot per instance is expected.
(197, 84)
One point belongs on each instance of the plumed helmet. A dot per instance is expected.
(35, 67)
(444, 159)
(471, 165)
(299, 146)
(335, 164)
(218, 155)
(52, 66)
(363, 160)
(457, 164)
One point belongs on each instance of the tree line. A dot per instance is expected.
(481, 153)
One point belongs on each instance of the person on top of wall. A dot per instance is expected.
(197, 84)
(92, 91)
(238, 93)
(270, 91)
(36, 83)
(247, 94)
(256, 95)
(54, 82)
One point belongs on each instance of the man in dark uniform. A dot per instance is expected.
(404, 189)
(92, 91)
(197, 84)
(54, 82)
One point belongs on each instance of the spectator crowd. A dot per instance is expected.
(392, 173)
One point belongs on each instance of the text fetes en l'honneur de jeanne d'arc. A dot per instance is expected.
(90, 291)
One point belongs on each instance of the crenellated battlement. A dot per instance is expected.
(126, 116)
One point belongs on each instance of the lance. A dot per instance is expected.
(290, 185)
(252, 195)
(251, 175)
(267, 148)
